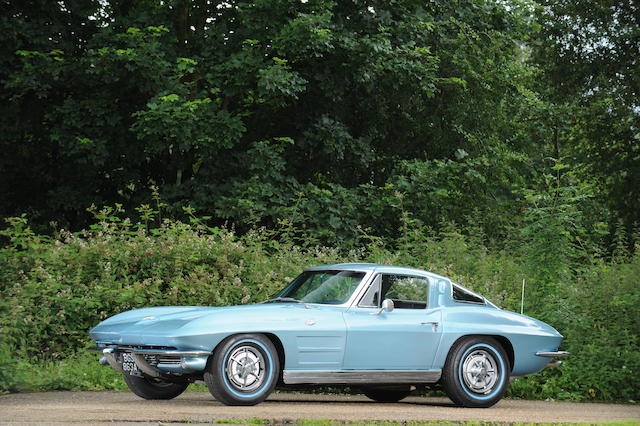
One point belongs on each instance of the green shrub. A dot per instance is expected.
(78, 371)
(55, 289)
(66, 286)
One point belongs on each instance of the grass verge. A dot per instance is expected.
(327, 422)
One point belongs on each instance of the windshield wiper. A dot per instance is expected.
(284, 299)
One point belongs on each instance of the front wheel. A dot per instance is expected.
(243, 371)
(149, 388)
(476, 373)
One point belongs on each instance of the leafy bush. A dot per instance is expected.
(61, 288)
(600, 317)
(55, 289)
(78, 371)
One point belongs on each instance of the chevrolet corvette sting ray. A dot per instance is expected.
(384, 330)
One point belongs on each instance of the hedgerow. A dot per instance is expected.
(56, 288)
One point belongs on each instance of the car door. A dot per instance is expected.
(406, 338)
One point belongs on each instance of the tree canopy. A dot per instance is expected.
(333, 118)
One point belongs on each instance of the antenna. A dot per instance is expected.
(522, 299)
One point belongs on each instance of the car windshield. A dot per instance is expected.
(327, 287)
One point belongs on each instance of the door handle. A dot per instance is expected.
(434, 324)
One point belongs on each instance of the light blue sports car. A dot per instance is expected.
(385, 330)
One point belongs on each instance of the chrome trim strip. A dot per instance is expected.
(167, 352)
(111, 359)
(553, 364)
(293, 377)
(552, 354)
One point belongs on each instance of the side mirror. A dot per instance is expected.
(387, 306)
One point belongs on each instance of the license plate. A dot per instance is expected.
(129, 365)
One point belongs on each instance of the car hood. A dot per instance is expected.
(180, 320)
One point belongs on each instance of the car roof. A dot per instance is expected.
(390, 269)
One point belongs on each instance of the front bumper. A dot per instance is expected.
(153, 361)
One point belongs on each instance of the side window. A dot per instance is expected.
(462, 295)
(407, 292)
(371, 298)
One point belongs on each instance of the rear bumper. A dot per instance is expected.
(552, 354)
(555, 354)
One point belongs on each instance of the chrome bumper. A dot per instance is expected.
(552, 354)
(552, 364)
(167, 352)
(189, 361)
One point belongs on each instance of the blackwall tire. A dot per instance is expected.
(243, 370)
(476, 373)
(149, 388)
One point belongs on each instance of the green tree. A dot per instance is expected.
(249, 109)
(588, 52)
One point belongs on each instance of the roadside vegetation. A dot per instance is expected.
(57, 287)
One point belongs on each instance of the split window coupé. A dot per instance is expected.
(383, 329)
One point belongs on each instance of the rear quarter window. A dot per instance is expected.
(462, 295)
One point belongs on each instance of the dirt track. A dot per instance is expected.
(124, 407)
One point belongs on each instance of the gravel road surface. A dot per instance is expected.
(124, 407)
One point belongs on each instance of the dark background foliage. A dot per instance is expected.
(247, 110)
(499, 134)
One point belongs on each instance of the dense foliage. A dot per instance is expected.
(489, 140)
(56, 288)
(317, 112)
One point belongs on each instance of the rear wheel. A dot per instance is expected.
(244, 370)
(476, 373)
(149, 388)
(386, 395)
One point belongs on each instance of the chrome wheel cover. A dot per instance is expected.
(480, 371)
(245, 368)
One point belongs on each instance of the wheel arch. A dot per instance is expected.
(275, 340)
(504, 342)
(277, 343)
